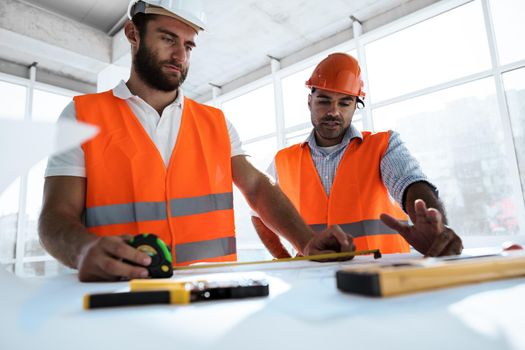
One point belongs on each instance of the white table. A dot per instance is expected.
(304, 311)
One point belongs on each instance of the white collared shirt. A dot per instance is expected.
(163, 131)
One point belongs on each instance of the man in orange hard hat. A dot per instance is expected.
(340, 176)
(161, 164)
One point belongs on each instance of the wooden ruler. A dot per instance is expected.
(428, 274)
(329, 256)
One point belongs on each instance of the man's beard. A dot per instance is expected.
(149, 69)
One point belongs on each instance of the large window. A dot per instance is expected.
(457, 136)
(18, 223)
(449, 118)
(443, 48)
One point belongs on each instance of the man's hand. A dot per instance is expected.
(101, 259)
(429, 235)
(331, 240)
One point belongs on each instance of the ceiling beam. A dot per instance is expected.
(58, 44)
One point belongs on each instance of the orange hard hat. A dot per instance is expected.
(339, 72)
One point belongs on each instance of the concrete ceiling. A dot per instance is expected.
(242, 33)
(100, 14)
(240, 36)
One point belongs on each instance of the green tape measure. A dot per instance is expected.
(161, 263)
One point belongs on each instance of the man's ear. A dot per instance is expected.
(310, 102)
(132, 34)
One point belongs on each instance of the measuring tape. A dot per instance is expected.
(161, 266)
(329, 256)
(161, 262)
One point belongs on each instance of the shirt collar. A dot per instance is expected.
(122, 91)
(350, 134)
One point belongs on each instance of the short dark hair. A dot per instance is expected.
(359, 102)
(141, 20)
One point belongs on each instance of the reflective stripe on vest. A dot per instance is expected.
(201, 250)
(361, 228)
(125, 213)
(149, 211)
(198, 205)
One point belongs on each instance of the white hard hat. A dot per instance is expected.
(188, 11)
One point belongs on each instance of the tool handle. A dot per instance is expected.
(102, 300)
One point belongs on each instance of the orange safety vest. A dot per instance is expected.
(129, 190)
(357, 198)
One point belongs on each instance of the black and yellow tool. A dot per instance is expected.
(167, 291)
(428, 274)
(148, 292)
(161, 262)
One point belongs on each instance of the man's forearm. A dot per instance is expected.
(422, 190)
(270, 240)
(63, 236)
(279, 214)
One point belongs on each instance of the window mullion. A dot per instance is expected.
(279, 104)
(22, 202)
(368, 123)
